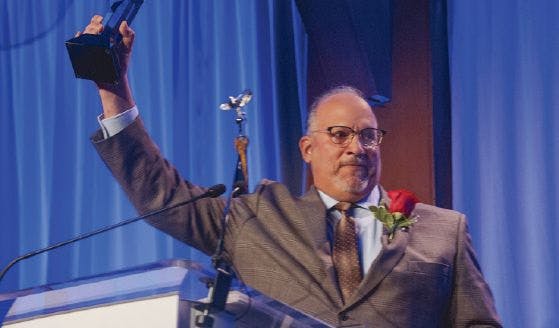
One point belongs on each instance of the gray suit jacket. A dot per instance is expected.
(426, 277)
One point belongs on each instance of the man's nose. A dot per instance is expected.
(355, 146)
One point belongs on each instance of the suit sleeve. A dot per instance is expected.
(472, 301)
(151, 182)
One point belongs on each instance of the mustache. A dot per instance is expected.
(356, 161)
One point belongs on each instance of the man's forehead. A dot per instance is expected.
(345, 105)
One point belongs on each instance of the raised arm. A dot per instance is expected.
(148, 179)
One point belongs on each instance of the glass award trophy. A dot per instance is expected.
(95, 56)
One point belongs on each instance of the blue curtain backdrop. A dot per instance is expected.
(505, 118)
(188, 57)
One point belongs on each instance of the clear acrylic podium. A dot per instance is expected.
(162, 294)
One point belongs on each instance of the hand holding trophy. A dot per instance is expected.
(101, 53)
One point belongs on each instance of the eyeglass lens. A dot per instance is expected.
(344, 135)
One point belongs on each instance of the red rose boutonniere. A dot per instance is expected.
(397, 216)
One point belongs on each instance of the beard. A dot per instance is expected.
(353, 185)
(357, 183)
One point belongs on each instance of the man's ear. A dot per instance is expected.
(305, 146)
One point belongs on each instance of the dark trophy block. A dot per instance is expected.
(95, 56)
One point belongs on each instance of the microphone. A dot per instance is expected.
(212, 192)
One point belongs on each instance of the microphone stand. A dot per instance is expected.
(212, 192)
(220, 286)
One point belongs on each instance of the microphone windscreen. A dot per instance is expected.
(215, 191)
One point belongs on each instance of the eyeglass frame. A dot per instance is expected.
(353, 133)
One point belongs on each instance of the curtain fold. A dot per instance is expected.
(505, 122)
(189, 56)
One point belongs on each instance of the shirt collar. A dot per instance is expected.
(373, 199)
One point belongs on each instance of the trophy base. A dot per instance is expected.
(94, 58)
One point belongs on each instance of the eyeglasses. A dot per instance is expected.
(343, 135)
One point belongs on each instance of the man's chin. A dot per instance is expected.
(356, 187)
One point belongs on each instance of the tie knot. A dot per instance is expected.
(343, 206)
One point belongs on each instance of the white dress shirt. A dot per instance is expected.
(113, 125)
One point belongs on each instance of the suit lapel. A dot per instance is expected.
(389, 256)
(314, 214)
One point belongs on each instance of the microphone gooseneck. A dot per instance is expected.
(212, 192)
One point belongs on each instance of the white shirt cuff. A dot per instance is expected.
(113, 125)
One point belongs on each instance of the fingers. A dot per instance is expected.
(95, 25)
(127, 34)
(96, 19)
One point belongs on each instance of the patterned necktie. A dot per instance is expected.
(345, 253)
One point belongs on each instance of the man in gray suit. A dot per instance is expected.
(290, 248)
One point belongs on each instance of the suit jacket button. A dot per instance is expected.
(343, 316)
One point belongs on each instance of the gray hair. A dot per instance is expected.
(345, 89)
